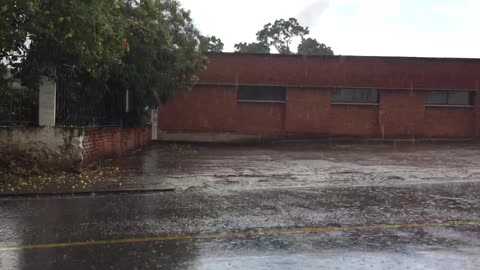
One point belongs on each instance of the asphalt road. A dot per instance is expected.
(418, 226)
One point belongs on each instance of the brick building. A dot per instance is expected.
(350, 96)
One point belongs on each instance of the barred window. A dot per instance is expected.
(355, 96)
(262, 94)
(460, 98)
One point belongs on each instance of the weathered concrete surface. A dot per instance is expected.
(69, 147)
(290, 165)
(213, 205)
(43, 145)
(47, 98)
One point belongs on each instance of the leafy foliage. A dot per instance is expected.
(280, 34)
(162, 58)
(311, 46)
(210, 44)
(147, 46)
(254, 47)
(87, 34)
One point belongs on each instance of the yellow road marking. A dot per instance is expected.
(243, 234)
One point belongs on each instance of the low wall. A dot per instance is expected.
(101, 143)
(69, 147)
(42, 145)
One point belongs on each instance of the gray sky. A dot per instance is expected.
(438, 28)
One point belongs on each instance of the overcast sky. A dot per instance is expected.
(437, 28)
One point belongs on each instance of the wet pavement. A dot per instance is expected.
(290, 165)
(286, 208)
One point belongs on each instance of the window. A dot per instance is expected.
(368, 96)
(262, 94)
(453, 98)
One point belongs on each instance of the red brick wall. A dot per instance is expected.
(204, 109)
(307, 111)
(342, 71)
(354, 120)
(447, 122)
(260, 118)
(401, 113)
(208, 109)
(100, 143)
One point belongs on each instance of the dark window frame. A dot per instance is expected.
(355, 100)
(261, 94)
(448, 98)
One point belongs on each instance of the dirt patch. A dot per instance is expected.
(17, 179)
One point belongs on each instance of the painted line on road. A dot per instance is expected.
(241, 234)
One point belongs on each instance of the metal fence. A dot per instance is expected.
(80, 106)
(18, 106)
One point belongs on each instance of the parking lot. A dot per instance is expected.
(300, 165)
(275, 206)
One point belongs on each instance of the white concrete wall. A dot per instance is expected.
(47, 97)
(45, 145)
(154, 117)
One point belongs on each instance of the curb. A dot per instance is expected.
(85, 193)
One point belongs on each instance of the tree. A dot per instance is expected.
(310, 46)
(254, 47)
(163, 58)
(280, 34)
(210, 44)
(149, 47)
(43, 34)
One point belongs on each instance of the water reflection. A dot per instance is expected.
(86, 219)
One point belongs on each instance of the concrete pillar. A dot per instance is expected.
(154, 118)
(47, 98)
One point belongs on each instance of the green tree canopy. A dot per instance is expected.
(147, 46)
(87, 34)
(254, 47)
(311, 46)
(210, 44)
(280, 34)
(163, 57)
